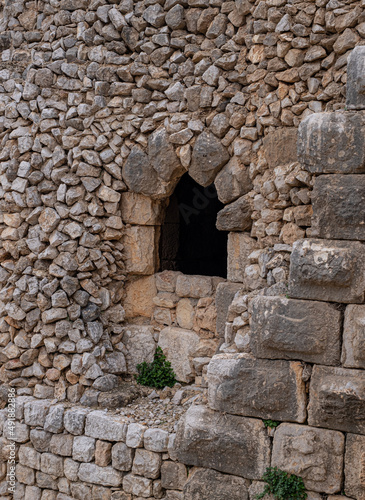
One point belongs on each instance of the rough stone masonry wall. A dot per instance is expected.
(104, 106)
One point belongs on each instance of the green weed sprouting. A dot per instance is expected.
(282, 485)
(271, 423)
(157, 374)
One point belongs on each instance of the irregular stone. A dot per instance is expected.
(208, 157)
(140, 249)
(332, 143)
(140, 210)
(105, 476)
(328, 270)
(316, 455)
(280, 147)
(242, 385)
(156, 440)
(355, 466)
(228, 443)
(180, 346)
(353, 346)
(140, 486)
(355, 97)
(337, 399)
(83, 449)
(135, 434)
(232, 181)
(122, 457)
(223, 299)
(236, 216)
(163, 158)
(140, 345)
(240, 246)
(147, 463)
(74, 421)
(173, 475)
(102, 426)
(338, 207)
(193, 286)
(283, 328)
(207, 484)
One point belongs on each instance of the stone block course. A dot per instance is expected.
(327, 270)
(337, 399)
(353, 346)
(268, 389)
(316, 455)
(284, 328)
(227, 443)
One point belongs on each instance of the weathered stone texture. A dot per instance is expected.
(232, 181)
(355, 98)
(240, 245)
(207, 484)
(353, 346)
(329, 270)
(268, 389)
(338, 207)
(283, 328)
(316, 455)
(140, 210)
(227, 443)
(355, 466)
(337, 399)
(208, 157)
(236, 216)
(332, 143)
(140, 249)
(280, 147)
(224, 296)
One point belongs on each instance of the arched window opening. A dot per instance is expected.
(190, 241)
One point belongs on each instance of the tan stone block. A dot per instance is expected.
(355, 466)
(185, 314)
(139, 297)
(140, 249)
(103, 453)
(141, 210)
(240, 245)
(280, 147)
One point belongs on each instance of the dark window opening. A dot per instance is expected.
(190, 242)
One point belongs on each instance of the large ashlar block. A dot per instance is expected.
(208, 484)
(280, 146)
(240, 245)
(263, 388)
(139, 295)
(332, 143)
(337, 399)
(180, 346)
(355, 466)
(327, 270)
(284, 328)
(140, 210)
(355, 96)
(316, 455)
(227, 443)
(140, 249)
(353, 346)
(339, 207)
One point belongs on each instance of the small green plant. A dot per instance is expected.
(271, 423)
(157, 374)
(282, 485)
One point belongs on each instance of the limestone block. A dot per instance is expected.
(355, 466)
(337, 399)
(103, 453)
(353, 346)
(269, 389)
(316, 455)
(140, 249)
(35, 412)
(52, 464)
(280, 147)
(232, 181)
(122, 457)
(156, 440)
(208, 484)
(236, 216)
(29, 457)
(173, 475)
(227, 443)
(224, 296)
(102, 426)
(355, 97)
(140, 210)
(195, 287)
(54, 419)
(135, 434)
(240, 245)
(140, 345)
(105, 476)
(185, 314)
(83, 449)
(329, 270)
(163, 158)
(61, 444)
(139, 295)
(208, 157)
(140, 486)
(179, 346)
(339, 207)
(147, 463)
(332, 143)
(284, 328)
